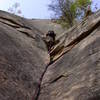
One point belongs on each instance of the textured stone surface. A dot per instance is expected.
(22, 60)
(76, 74)
(45, 24)
(26, 72)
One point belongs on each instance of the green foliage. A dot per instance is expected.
(73, 8)
(81, 7)
(67, 10)
(82, 3)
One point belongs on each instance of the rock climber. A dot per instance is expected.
(50, 39)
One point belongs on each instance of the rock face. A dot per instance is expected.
(76, 74)
(28, 73)
(23, 58)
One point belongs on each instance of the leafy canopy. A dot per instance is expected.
(66, 11)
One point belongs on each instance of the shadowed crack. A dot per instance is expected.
(16, 25)
(5, 19)
(27, 34)
(37, 92)
(58, 78)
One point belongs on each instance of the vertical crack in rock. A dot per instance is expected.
(37, 92)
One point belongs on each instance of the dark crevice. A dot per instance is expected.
(11, 21)
(55, 80)
(23, 25)
(19, 25)
(27, 34)
(37, 92)
(26, 27)
(10, 24)
(56, 51)
(94, 98)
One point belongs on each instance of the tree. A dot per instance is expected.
(67, 10)
(15, 9)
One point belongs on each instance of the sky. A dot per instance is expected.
(34, 8)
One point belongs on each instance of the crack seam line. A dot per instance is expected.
(37, 92)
